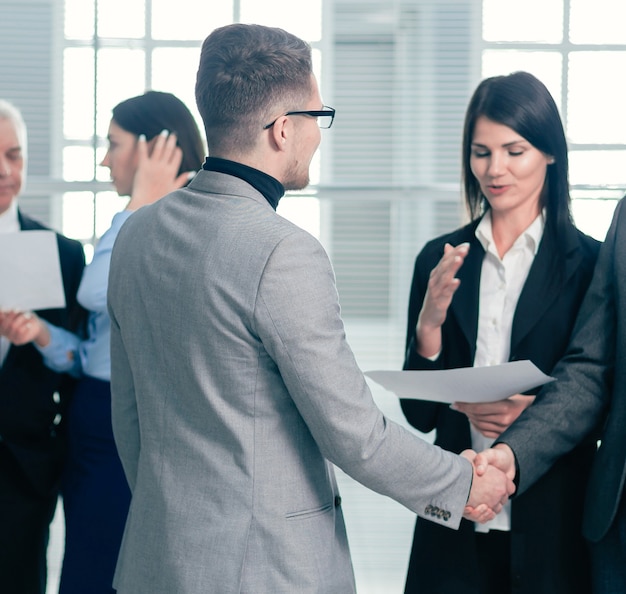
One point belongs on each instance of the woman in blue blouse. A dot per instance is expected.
(154, 147)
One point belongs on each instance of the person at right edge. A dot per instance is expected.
(510, 290)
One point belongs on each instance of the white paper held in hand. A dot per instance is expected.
(30, 271)
(466, 384)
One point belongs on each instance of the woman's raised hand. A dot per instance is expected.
(157, 170)
(442, 285)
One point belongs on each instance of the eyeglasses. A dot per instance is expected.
(324, 116)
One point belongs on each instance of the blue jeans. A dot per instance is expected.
(608, 558)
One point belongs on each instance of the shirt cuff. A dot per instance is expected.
(61, 353)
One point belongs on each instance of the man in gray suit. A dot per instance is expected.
(233, 386)
(588, 401)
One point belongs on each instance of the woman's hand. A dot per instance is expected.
(22, 327)
(442, 285)
(157, 171)
(493, 418)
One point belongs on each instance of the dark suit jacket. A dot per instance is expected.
(591, 389)
(548, 552)
(29, 425)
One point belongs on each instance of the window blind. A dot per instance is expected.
(28, 77)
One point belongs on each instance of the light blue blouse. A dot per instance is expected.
(66, 352)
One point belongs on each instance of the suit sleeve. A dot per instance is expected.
(61, 354)
(124, 414)
(297, 317)
(566, 411)
(72, 267)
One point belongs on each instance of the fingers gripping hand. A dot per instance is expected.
(481, 513)
(490, 490)
(492, 485)
(501, 456)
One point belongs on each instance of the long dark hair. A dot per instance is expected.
(524, 104)
(155, 111)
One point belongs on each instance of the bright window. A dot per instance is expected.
(154, 46)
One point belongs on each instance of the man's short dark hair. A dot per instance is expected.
(249, 75)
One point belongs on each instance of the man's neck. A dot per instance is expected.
(269, 186)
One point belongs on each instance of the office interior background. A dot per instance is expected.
(387, 175)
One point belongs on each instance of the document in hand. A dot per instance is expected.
(30, 271)
(467, 384)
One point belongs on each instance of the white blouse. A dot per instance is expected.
(501, 283)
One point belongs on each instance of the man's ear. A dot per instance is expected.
(280, 132)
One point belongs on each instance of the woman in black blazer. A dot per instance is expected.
(505, 287)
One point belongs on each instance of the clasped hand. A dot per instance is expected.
(493, 418)
(21, 327)
(492, 483)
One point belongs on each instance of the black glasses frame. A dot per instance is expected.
(314, 113)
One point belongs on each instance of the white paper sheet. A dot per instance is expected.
(467, 384)
(30, 271)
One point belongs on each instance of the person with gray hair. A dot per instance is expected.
(154, 147)
(33, 398)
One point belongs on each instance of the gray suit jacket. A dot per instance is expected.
(233, 388)
(590, 393)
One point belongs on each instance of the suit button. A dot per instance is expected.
(337, 500)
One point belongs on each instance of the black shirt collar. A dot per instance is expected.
(270, 187)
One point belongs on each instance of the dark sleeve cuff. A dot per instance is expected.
(516, 479)
(414, 360)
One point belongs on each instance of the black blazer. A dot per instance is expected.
(591, 389)
(29, 425)
(548, 551)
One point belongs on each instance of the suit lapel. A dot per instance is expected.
(546, 278)
(26, 223)
(6, 347)
(465, 302)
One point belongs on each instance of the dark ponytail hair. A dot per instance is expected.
(155, 111)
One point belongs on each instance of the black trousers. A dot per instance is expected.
(25, 518)
(494, 561)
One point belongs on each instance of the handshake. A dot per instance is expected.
(492, 483)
